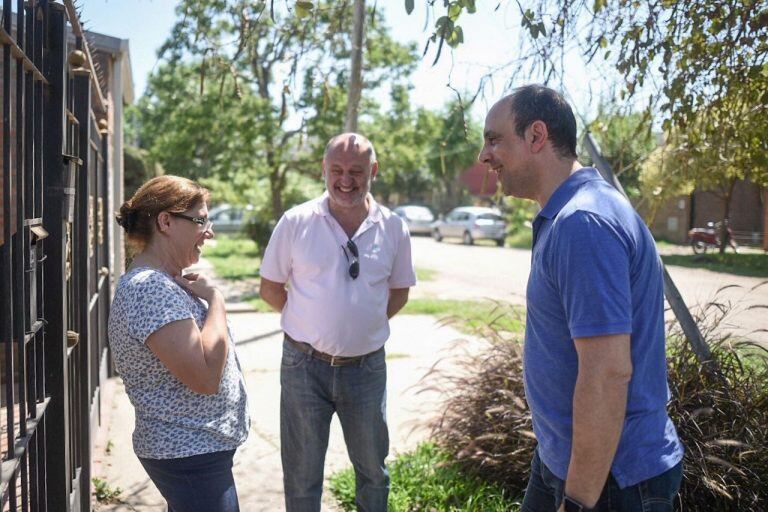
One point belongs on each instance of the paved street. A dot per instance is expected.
(502, 273)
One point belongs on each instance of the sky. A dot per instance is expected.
(491, 40)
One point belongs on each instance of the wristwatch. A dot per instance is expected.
(571, 505)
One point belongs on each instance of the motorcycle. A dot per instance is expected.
(703, 239)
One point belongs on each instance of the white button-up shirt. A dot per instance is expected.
(326, 308)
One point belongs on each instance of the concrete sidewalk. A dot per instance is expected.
(416, 343)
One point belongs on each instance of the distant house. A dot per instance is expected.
(479, 181)
(748, 215)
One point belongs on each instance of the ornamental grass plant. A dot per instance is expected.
(721, 415)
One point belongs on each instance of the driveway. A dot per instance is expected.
(485, 271)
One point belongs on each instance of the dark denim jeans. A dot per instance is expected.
(312, 390)
(657, 494)
(197, 483)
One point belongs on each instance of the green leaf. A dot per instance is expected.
(454, 11)
(456, 37)
(542, 28)
(409, 6)
(603, 42)
(471, 6)
(304, 9)
(444, 26)
(598, 6)
(534, 31)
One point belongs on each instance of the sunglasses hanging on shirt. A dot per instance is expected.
(354, 263)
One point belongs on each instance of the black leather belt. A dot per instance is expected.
(306, 348)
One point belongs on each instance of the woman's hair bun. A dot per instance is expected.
(126, 218)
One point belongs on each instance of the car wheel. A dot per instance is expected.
(467, 238)
(436, 235)
(500, 242)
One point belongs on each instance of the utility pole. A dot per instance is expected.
(355, 78)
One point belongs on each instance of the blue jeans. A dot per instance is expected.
(311, 391)
(657, 494)
(196, 483)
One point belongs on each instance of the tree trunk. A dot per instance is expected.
(355, 78)
(276, 186)
(725, 238)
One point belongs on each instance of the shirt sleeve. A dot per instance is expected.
(592, 272)
(403, 275)
(156, 302)
(276, 264)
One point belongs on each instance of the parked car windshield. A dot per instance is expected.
(489, 216)
(417, 212)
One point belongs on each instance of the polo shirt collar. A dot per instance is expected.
(374, 212)
(566, 191)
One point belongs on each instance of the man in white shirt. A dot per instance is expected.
(347, 263)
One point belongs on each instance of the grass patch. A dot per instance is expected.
(234, 257)
(259, 304)
(752, 265)
(425, 274)
(520, 239)
(469, 316)
(426, 479)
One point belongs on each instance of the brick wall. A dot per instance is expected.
(672, 219)
(747, 213)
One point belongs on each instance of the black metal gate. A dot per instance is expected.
(54, 252)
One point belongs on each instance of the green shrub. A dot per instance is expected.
(427, 480)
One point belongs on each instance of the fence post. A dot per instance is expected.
(57, 442)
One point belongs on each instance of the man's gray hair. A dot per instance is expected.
(356, 140)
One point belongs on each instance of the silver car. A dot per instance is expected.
(418, 218)
(471, 223)
(228, 218)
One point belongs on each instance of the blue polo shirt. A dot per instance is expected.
(595, 271)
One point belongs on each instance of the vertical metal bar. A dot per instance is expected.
(40, 17)
(105, 298)
(21, 254)
(7, 252)
(82, 271)
(57, 425)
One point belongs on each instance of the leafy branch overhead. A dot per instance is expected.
(693, 53)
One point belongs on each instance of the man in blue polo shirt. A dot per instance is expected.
(594, 364)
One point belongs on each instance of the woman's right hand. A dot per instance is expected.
(198, 285)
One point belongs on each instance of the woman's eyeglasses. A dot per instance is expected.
(354, 263)
(203, 222)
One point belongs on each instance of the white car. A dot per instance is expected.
(418, 218)
(472, 223)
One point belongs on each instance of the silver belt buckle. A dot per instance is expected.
(333, 361)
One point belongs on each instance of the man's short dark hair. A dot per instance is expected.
(538, 103)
